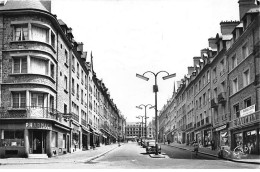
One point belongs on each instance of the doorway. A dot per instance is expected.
(37, 142)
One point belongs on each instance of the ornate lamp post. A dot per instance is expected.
(145, 125)
(155, 90)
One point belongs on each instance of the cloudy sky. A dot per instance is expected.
(134, 36)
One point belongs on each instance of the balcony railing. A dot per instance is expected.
(75, 117)
(222, 98)
(31, 112)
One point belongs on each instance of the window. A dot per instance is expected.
(73, 87)
(13, 134)
(21, 32)
(246, 78)
(235, 86)
(20, 65)
(77, 91)
(19, 99)
(66, 57)
(208, 77)
(52, 70)
(40, 34)
(82, 96)
(214, 73)
(73, 63)
(247, 102)
(78, 70)
(86, 82)
(245, 51)
(65, 82)
(39, 66)
(222, 86)
(37, 100)
(65, 109)
(236, 110)
(222, 67)
(234, 62)
(52, 39)
(82, 78)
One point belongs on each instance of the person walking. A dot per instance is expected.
(196, 147)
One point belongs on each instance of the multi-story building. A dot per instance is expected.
(222, 89)
(50, 103)
(134, 131)
(243, 64)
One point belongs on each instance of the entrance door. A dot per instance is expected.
(68, 143)
(38, 141)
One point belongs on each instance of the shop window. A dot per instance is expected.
(20, 65)
(19, 99)
(250, 144)
(54, 139)
(12, 138)
(21, 32)
(238, 140)
(224, 138)
(64, 141)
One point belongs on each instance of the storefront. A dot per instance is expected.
(245, 134)
(221, 137)
(85, 138)
(22, 138)
(207, 138)
(75, 137)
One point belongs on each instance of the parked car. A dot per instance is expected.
(144, 143)
(150, 148)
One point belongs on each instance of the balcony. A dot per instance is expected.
(222, 98)
(75, 117)
(213, 103)
(31, 112)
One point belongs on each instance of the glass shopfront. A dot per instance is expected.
(224, 138)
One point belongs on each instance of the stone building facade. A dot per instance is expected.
(50, 104)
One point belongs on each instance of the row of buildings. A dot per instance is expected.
(138, 130)
(217, 103)
(52, 102)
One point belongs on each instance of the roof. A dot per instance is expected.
(44, 5)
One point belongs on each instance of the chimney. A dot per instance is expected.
(212, 43)
(245, 5)
(80, 47)
(46, 4)
(196, 61)
(227, 27)
(190, 70)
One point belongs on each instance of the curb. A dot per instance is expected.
(233, 160)
(52, 162)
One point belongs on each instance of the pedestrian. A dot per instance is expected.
(212, 145)
(196, 147)
(168, 141)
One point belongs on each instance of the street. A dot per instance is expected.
(132, 156)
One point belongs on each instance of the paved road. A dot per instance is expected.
(132, 156)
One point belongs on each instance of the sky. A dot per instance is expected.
(134, 36)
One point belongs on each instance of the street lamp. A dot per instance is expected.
(155, 90)
(145, 125)
(141, 125)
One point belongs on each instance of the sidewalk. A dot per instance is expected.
(210, 152)
(80, 156)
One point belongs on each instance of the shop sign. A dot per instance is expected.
(221, 128)
(247, 111)
(38, 125)
(246, 119)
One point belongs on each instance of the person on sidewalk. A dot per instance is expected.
(212, 145)
(196, 147)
